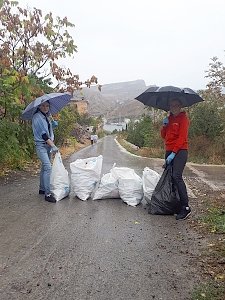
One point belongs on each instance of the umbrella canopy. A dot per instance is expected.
(56, 102)
(159, 97)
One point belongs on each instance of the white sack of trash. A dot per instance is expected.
(129, 185)
(85, 174)
(150, 179)
(108, 188)
(59, 179)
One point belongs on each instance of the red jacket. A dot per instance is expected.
(176, 132)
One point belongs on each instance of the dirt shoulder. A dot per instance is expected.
(208, 220)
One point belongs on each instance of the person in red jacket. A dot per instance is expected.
(175, 135)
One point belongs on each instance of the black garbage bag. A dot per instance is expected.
(165, 199)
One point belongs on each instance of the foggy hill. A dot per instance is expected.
(124, 90)
(115, 99)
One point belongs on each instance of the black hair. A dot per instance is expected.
(38, 109)
(176, 99)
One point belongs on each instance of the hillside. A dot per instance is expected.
(115, 99)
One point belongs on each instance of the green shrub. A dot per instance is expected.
(144, 133)
(13, 153)
(206, 120)
(67, 121)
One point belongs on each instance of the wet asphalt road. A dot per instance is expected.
(98, 250)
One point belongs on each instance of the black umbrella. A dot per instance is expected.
(159, 97)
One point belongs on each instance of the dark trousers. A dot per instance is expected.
(178, 164)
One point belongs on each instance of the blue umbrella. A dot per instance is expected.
(56, 102)
(159, 97)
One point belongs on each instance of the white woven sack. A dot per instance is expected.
(123, 172)
(131, 190)
(150, 179)
(130, 185)
(59, 179)
(108, 188)
(85, 174)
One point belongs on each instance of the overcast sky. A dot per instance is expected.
(163, 42)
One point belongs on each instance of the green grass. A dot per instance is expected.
(209, 291)
(215, 219)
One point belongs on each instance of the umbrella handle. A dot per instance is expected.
(51, 117)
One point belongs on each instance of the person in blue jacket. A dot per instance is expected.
(44, 143)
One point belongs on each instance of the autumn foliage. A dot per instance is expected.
(31, 45)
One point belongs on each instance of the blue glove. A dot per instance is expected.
(165, 121)
(54, 149)
(54, 124)
(170, 158)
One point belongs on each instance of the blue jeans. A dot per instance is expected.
(43, 153)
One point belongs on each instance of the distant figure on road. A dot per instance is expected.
(92, 139)
(175, 133)
(44, 142)
(95, 138)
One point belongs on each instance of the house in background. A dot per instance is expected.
(79, 103)
(81, 106)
